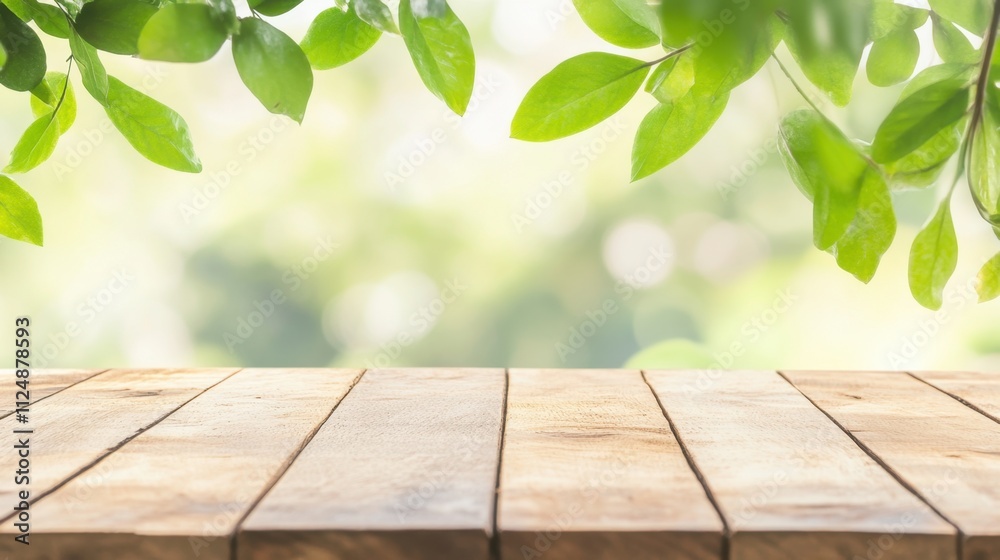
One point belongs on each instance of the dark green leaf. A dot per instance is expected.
(827, 168)
(988, 280)
(49, 96)
(893, 58)
(871, 233)
(273, 7)
(626, 23)
(827, 39)
(441, 50)
(337, 37)
(153, 129)
(35, 146)
(376, 14)
(973, 15)
(182, 33)
(95, 78)
(919, 117)
(19, 217)
(48, 18)
(25, 66)
(114, 25)
(922, 167)
(952, 44)
(273, 67)
(576, 95)
(933, 258)
(671, 129)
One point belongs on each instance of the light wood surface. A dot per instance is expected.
(404, 468)
(591, 471)
(43, 383)
(789, 482)
(81, 424)
(946, 451)
(977, 389)
(171, 492)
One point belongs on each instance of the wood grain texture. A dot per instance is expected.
(790, 483)
(85, 422)
(404, 468)
(591, 471)
(946, 451)
(43, 383)
(179, 489)
(978, 389)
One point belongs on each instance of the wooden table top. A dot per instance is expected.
(493, 464)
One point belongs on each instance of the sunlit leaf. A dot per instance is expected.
(671, 129)
(376, 14)
(55, 93)
(273, 67)
(973, 15)
(153, 129)
(19, 217)
(951, 44)
(984, 157)
(889, 16)
(893, 58)
(671, 79)
(871, 232)
(933, 258)
(988, 280)
(94, 77)
(919, 117)
(35, 146)
(576, 95)
(441, 50)
(337, 37)
(626, 23)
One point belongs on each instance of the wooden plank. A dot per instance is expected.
(943, 449)
(789, 482)
(977, 389)
(179, 489)
(404, 468)
(591, 470)
(80, 425)
(43, 383)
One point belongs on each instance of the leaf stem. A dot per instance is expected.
(668, 56)
(796, 84)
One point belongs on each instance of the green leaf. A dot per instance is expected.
(72, 7)
(153, 129)
(576, 95)
(827, 39)
(671, 79)
(273, 67)
(273, 7)
(376, 14)
(48, 18)
(888, 16)
(337, 37)
(114, 25)
(952, 44)
(183, 33)
(19, 217)
(430, 9)
(984, 159)
(442, 53)
(919, 117)
(48, 97)
(828, 168)
(893, 58)
(973, 15)
(938, 73)
(95, 78)
(933, 258)
(922, 167)
(625, 23)
(25, 66)
(671, 129)
(988, 280)
(35, 146)
(3, 56)
(871, 233)
(736, 55)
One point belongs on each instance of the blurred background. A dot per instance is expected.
(385, 231)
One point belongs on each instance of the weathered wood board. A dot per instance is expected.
(404, 468)
(591, 470)
(179, 489)
(789, 482)
(42, 384)
(946, 451)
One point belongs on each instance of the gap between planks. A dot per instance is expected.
(495, 548)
